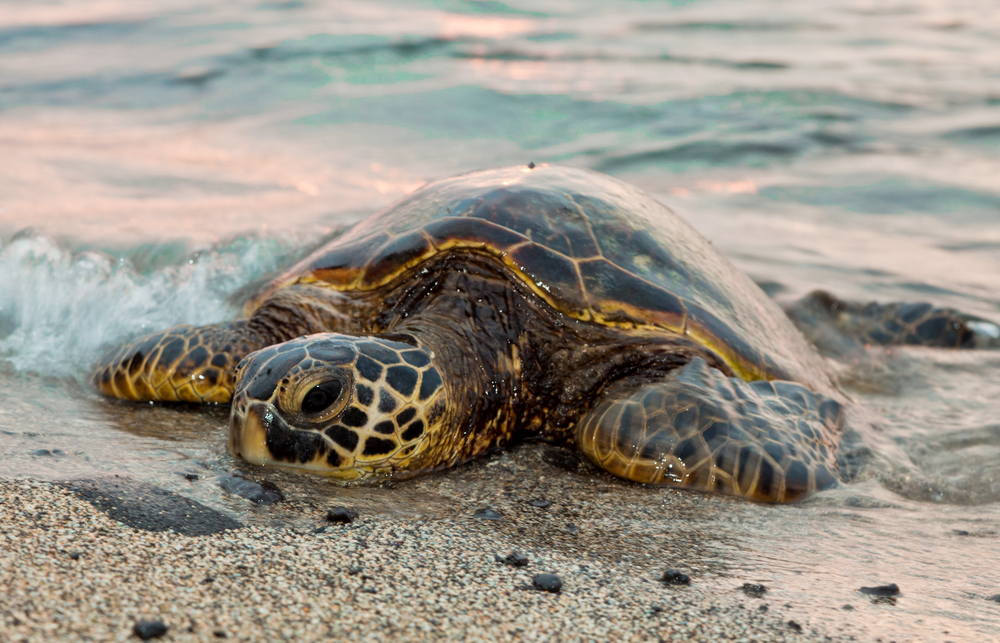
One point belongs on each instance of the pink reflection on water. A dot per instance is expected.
(90, 177)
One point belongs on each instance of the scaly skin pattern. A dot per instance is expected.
(183, 364)
(384, 398)
(769, 441)
(198, 364)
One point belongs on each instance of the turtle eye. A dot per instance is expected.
(322, 396)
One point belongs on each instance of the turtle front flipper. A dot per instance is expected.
(697, 428)
(183, 364)
(198, 363)
(837, 327)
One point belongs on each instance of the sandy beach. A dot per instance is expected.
(420, 562)
(71, 572)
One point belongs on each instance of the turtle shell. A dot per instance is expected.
(593, 247)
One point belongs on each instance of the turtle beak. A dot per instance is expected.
(259, 435)
(248, 429)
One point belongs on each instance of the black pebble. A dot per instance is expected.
(762, 608)
(149, 629)
(263, 492)
(75, 555)
(795, 626)
(547, 583)
(960, 532)
(995, 598)
(219, 634)
(42, 452)
(341, 514)
(191, 476)
(848, 607)
(513, 559)
(674, 577)
(487, 514)
(541, 504)
(892, 589)
(572, 529)
(755, 590)
(562, 458)
(531, 165)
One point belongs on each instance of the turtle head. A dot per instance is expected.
(347, 407)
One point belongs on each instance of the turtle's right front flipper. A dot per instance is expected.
(837, 327)
(198, 363)
(183, 364)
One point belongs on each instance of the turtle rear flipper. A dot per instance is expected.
(838, 327)
(697, 428)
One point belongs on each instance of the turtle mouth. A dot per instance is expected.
(259, 435)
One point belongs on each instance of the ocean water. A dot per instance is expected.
(157, 156)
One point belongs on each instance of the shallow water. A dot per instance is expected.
(157, 156)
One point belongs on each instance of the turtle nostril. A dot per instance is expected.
(322, 396)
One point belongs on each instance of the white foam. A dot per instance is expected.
(59, 310)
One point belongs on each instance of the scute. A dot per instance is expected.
(593, 247)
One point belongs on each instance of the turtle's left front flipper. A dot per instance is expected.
(837, 327)
(697, 428)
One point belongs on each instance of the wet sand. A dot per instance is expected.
(286, 572)
(75, 573)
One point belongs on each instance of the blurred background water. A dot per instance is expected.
(158, 155)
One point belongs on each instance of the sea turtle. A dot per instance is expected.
(523, 301)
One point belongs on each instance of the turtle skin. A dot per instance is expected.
(502, 304)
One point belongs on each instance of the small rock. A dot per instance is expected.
(513, 559)
(762, 608)
(262, 493)
(960, 532)
(755, 590)
(572, 530)
(848, 607)
(208, 580)
(487, 514)
(674, 577)
(219, 634)
(541, 504)
(995, 598)
(42, 452)
(547, 583)
(191, 476)
(531, 165)
(343, 515)
(892, 589)
(75, 555)
(795, 626)
(149, 629)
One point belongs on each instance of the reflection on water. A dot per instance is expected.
(164, 153)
